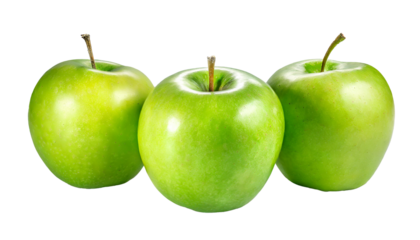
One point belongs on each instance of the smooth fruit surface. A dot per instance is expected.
(339, 123)
(211, 151)
(83, 122)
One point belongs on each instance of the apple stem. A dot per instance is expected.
(337, 40)
(86, 37)
(211, 61)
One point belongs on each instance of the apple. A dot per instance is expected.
(210, 151)
(339, 122)
(83, 121)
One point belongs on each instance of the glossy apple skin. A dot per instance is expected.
(211, 152)
(83, 122)
(339, 123)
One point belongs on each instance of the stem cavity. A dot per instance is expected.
(338, 40)
(211, 61)
(86, 37)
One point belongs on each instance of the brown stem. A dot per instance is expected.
(337, 40)
(86, 37)
(211, 61)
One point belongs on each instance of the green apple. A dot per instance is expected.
(83, 121)
(211, 151)
(339, 122)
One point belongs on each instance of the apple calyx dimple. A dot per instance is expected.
(337, 40)
(86, 37)
(211, 62)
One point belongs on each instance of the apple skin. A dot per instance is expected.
(83, 122)
(211, 151)
(339, 123)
